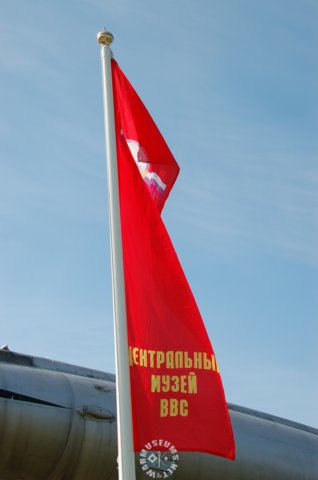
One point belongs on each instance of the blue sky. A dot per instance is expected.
(233, 87)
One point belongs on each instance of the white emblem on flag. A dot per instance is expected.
(154, 183)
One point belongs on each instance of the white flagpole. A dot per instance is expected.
(126, 459)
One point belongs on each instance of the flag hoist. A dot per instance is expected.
(169, 388)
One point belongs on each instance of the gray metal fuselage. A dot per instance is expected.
(58, 422)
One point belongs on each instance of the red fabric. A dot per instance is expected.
(162, 315)
(145, 141)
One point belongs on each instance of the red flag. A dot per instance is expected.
(176, 388)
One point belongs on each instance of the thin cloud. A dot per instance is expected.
(268, 203)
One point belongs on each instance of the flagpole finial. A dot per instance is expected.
(105, 37)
